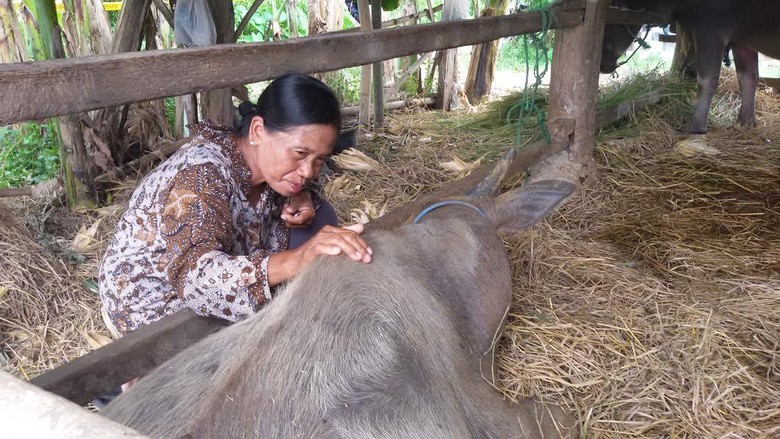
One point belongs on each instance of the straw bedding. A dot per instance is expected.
(648, 305)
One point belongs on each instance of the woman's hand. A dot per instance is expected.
(328, 241)
(298, 212)
(335, 241)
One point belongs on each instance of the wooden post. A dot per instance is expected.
(574, 83)
(379, 105)
(364, 115)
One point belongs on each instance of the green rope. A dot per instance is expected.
(527, 106)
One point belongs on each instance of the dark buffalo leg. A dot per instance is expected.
(709, 54)
(746, 61)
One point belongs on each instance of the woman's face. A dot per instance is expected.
(287, 160)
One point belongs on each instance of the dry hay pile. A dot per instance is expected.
(650, 304)
(46, 315)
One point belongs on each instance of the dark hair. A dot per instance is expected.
(291, 100)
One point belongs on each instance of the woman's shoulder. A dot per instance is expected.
(206, 147)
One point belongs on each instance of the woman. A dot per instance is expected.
(209, 228)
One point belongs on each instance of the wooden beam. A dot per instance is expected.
(49, 88)
(667, 38)
(626, 16)
(393, 105)
(131, 356)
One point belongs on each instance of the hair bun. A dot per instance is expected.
(247, 109)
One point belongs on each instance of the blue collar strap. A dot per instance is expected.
(435, 206)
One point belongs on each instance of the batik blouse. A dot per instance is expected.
(190, 238)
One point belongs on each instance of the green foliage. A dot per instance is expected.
(512, 55)
(113, 18)
(346, 84)
(258, 28)
(170, 112)
(390, 5)
(28, 154)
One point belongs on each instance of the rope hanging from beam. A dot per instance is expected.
(527, 107)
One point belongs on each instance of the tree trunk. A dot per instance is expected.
(326, 16)
(415, 77)
(379, 104)
(364, 115)
(447, 97)
(292, 18)
(12, 46)
(127, 37)
(78, 170)
(479, 78)
(217, 105)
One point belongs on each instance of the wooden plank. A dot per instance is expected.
(626, 16)
(393, 105)
(28, 412)
(667, 38)
(133, 355)
(49, 88)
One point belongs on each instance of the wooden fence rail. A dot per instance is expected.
(50, 88)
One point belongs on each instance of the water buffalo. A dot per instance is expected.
(398, 348)
(744, 26)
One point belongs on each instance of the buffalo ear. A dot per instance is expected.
(525, 206)
(489, 186)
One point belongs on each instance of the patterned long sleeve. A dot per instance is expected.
(196, 225)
